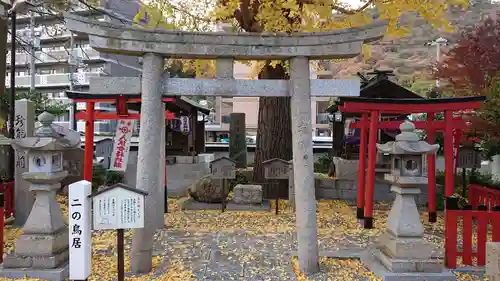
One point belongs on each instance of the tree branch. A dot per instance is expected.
(341, 9)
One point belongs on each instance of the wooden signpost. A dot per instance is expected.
(276, 169)
(223, 168)
(468, 158)
(119, 207)
(80, 233)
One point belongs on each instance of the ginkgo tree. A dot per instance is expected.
(274, 120)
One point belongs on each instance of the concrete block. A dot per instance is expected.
(39, 244)
(57, 274)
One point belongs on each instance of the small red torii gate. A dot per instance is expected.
(372, 108)
(90, 115)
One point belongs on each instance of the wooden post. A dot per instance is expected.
(370, 177)
(360, 213)
(88, 159)
(121, 254)
(2, 219)
(431, 171)
(277, 194)
(448, 154)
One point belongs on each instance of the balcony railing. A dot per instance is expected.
(54, 56)
(52, 80)
(322, 118)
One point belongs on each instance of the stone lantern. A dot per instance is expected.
(42, 250)
(401, 251)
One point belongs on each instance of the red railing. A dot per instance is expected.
(481, 195)
(473, 228)
(8, 192)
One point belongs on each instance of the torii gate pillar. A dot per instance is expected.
(148, 169)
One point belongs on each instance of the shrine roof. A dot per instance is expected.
(180, 101)
(120, 185)
(342, 100)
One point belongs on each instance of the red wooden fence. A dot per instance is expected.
(8, 192)
(481, 195)
(474, 228)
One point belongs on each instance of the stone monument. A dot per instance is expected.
(401, 252)
(42, 250)
(24, 124)
(237, 140)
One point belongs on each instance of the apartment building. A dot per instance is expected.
(54, 65)
(53, 71)
(217, 127)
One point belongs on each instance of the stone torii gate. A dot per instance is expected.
(155, 46)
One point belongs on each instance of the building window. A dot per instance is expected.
(59, 95)
(323, 133)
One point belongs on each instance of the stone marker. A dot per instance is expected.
(237, 140)
(73, 163)
(247, 194)
(42, 250)
(401, 252)
(493, 261)
(104, 148)
(24, 124)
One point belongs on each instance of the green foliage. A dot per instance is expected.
(101, 177)
(323, 164)
(42, 102)
(241, 178)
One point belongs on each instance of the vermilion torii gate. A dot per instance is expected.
(371, 109)
(90, 115)
(154, 46)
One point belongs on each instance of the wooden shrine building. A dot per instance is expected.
(346, 140)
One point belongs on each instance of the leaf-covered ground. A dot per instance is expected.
(210, 245)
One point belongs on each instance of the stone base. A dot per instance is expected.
(42, 244)
(370, 259)
(191, 204)
(56, 274)
(36, 262)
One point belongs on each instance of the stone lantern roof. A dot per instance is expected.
(407, 142)
(46, 138)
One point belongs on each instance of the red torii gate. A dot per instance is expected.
(90, 115)
(372, 108)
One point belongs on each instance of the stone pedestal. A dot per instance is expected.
(247, 194)
(493, 261)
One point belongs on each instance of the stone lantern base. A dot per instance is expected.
(401, 253)
(42, 250)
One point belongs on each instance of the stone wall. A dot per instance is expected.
(348, 190)
(185, 172)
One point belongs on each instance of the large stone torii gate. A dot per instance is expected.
(154, 46)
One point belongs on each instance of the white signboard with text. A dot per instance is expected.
(80, 233)
(118, 208)
(121, 146)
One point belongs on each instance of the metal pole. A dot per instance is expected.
(32, 52)
(71, 84)
(12, 99)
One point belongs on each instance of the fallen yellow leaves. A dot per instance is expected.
(336, 220)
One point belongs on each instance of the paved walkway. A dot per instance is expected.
(238, 255)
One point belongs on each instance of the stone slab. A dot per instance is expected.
(373, 264)
(265, 206)
(57, 274)
(191, 204)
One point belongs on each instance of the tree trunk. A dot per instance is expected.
(274, 134)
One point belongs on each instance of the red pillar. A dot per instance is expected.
(370, 177)
(449, 169)
(89, 142)
(360, 213)
(431, 171)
